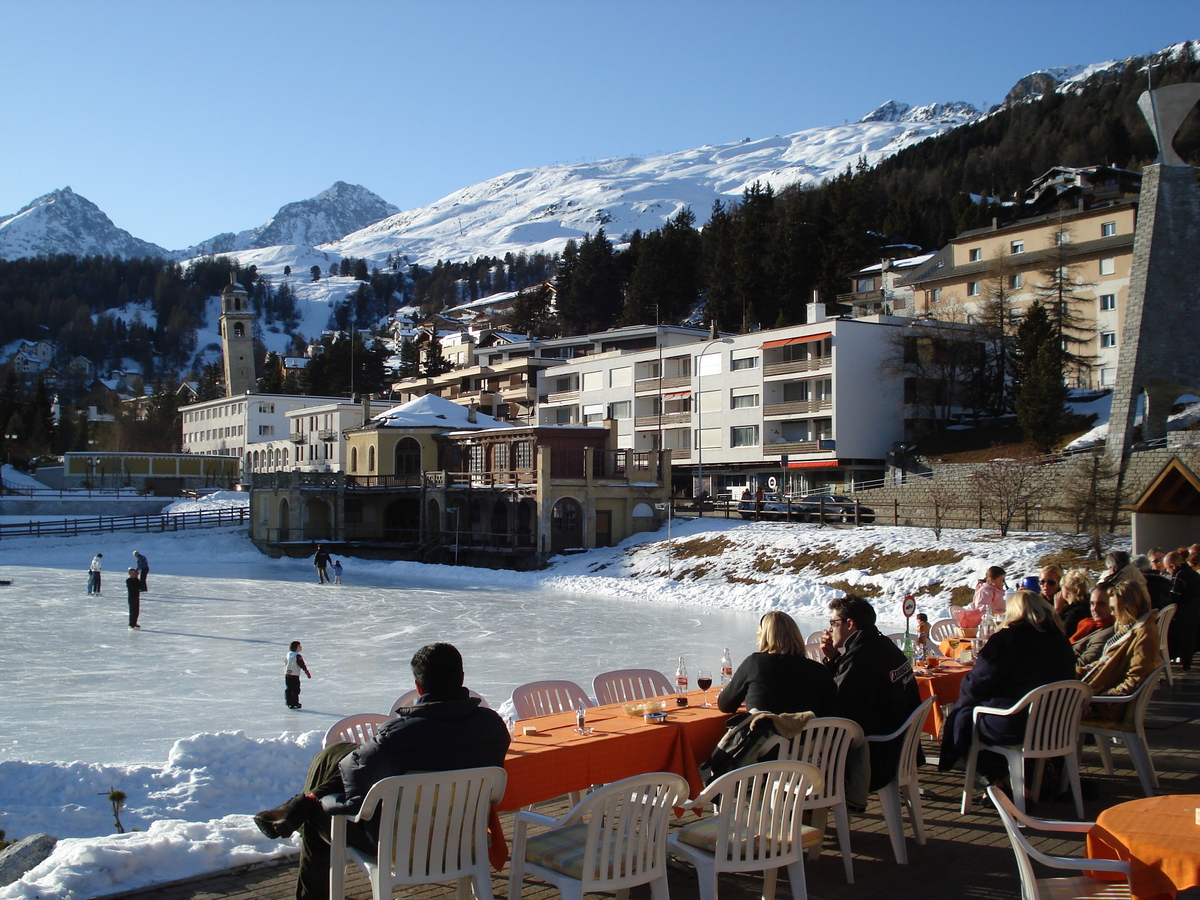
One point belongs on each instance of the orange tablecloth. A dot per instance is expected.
(945, 649)
(557, 761)
(942, 683)
(1160, 839)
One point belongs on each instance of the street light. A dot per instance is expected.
(700, 414)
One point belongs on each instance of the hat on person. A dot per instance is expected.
(1030, 583)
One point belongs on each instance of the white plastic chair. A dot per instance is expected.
(825, 743)
(1130, 728)
(1052, 730)
(409, 698)
(897, 638)
(1165, 615)
(432, 828)
(627, 685)
(355, 729)
(543, 698)
(612, 840)
(757, 826)
(812, 646)
(904, 790)
(1034, 888)
(942, 629)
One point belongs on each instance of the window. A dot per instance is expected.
(500, 457)
(619, 410)
(1062, 237)
(1108, 377)
(266, 430)
(743, 401)
(524, 454)
(564, 415)
(266, 407)
(937, 295)
(1108, 302)
(593, 415)
(622, 377)
(746, 362)
(1016, 247)
(743, 436)
(1108, 229)
(593, 381)
(975, 254)
(972, 288)
(862, 285)
(562, 384)
(475, 458)
(1108, 266)
(353, 459)
(370, 458)
(1016, 281)
(1108, 339)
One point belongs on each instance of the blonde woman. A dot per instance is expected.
(1028, 651)
(1072, 600)
(780, 678)
(1132, 653)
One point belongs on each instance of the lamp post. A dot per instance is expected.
(700, 416)
(10, 439)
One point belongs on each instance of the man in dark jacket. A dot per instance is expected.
(446, 729)
(1185, 593)
(876, 688)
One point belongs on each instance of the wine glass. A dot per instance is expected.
(704, 682)
(953, 642)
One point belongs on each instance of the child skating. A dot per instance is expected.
(291, 675)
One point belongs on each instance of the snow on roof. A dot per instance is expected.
(295, 362)
(436, 412)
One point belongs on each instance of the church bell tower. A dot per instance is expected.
(237, 329)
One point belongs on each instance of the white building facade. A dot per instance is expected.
(801, 409)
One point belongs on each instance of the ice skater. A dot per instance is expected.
(337, 572)
(291, 675)
(143, 569)
(134, 585)
(94, 574)
(321, 561)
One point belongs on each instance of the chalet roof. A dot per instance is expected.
(432, 411)
(1175, 491)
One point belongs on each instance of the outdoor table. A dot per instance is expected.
(942, 683)
(1160, 838)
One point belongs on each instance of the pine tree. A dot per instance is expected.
(1041, 394)
(433, 363)
(1062, 292)
(410, 359)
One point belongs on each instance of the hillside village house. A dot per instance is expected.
(434, 478)
(1094, 233)
(796, 409)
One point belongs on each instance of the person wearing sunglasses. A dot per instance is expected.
(1048, 583)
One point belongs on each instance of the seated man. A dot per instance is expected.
(1091, 635)
(876, 689)
(446, 729)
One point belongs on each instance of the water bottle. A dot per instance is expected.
(987, 627)
(908, 648)
(681, 679)
(726, 668)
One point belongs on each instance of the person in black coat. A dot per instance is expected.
(1029, 650)
(875, 687)
(1158, 586)
(1185, 593)
(133, 587)
(446, 729)
(780, 678)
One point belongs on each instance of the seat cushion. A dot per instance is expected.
(703, 834)
(1081, 887)
(560, 850)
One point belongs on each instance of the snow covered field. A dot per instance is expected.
(185, 716)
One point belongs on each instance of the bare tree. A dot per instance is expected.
(1006, 488)
(1092, 494)
(942, 498)
(934, 357)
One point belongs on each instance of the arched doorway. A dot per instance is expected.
(433, 519)
(498, 524)
(566, 525)
(408, 457)
(316, 520)
(524, 526)
(402, 521)
(285, 520)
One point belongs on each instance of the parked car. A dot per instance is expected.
(777, 507)
(838, 508)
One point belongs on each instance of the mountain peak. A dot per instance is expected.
(892, 111)
(63, 221)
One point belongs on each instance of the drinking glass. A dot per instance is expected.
(704, 682)
(953, 642)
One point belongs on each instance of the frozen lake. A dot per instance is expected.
(79, 685)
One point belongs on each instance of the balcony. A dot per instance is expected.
(824, 445)
(673, 420)
(297, 437)
(797, 365)
(798, 407)
(327, 434)
(561, 396)
(678, 453)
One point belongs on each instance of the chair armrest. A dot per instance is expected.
(1099, 865)
(532, 818)
(1058, 825)
(994, 711)
(1114, 698)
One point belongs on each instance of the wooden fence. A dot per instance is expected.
(93, 524)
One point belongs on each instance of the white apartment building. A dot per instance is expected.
(315, 439)
(797, 409)
(245, 423)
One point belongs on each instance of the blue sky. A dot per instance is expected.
(181, 120)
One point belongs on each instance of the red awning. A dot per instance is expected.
(796, 340)
(815, 464)
(677, 395)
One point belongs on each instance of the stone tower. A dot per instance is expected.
(237, 340)
(1160, 350)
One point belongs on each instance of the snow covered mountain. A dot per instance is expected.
(327, 217)
(64, 222)
(541, 208)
